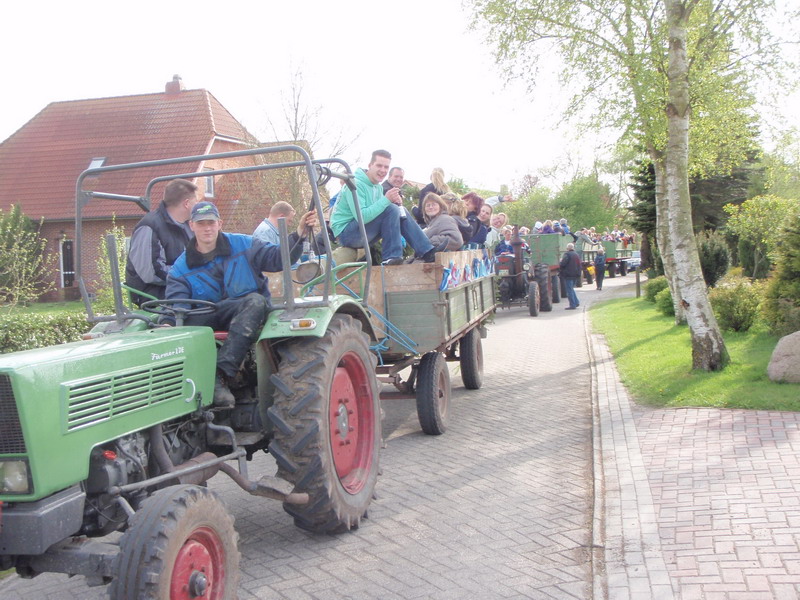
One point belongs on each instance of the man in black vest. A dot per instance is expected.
(159, 239)
(570, 272)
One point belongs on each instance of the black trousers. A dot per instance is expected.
(244, 319)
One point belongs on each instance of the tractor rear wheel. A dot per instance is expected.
(433, 393)
(327, 422)
(470, 354)
(545, 295)
(556, 285)
(180, 544)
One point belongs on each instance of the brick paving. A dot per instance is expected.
(690, 503)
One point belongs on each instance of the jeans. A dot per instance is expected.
(388, 226)
(244, 319)
(569, 283)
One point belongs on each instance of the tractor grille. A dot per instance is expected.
(11, 440)
(102, 398)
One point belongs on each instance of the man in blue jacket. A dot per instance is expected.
(227, 268)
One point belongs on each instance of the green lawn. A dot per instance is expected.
(654, 358)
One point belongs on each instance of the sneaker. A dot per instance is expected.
(430, 255)
(223, 397)
(391, 262)
(571, 308)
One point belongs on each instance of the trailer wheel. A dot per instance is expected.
(433, 393)
(612, 269)
(181, 544)
(534, 299)
(470, 354)
(623, 268)
(327, 422)
(556, 285)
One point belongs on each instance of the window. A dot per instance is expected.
(67, 263)
(96, 162)
(209, 180)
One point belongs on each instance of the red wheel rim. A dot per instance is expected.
(199, 569)
(351, 421)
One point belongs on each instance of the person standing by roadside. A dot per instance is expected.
(600, 267)
(570, 272)
(159, 239)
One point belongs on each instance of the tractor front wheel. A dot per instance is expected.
(326, 418)
(181, 544)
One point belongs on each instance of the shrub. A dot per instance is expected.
(28, 331)
(653, 287)
(736, 303)
(714, 259)
(664, 302)
(781, 306)
(754, 263)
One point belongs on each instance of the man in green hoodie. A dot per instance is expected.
(384, 215)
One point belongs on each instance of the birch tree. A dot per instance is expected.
(632, 61)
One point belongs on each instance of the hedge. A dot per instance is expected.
(27, 331)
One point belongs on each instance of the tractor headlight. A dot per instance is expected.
(14, 477)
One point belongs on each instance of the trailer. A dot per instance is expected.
(424, 315)
(619, 257)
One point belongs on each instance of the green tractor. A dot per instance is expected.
(118, 433)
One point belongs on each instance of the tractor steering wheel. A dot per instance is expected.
(167, 306)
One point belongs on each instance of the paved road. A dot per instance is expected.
(550, 484)
(500, 506)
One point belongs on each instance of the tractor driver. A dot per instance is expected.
(227, 268)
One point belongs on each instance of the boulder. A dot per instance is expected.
(784, 366)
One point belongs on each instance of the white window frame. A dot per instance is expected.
(209, 184)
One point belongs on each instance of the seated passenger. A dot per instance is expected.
(479, 231)
(458, 210)
(442, 229)
(548, 227)
(384, 216)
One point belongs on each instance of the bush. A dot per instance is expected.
(653, 287)
(664, 302)
(781, 307)
(714, 259)
(736, 303)
(754, 263)
(28, 331)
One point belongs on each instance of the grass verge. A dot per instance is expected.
(654, 358)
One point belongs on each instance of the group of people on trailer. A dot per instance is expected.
(179, 252)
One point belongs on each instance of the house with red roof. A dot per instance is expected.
(41, 162)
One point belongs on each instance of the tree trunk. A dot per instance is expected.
(662, 232)
(708, 347)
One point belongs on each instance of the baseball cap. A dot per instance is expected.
(205, 211)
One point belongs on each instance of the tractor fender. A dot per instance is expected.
(282, 323)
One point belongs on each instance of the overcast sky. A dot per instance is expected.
(406, 76)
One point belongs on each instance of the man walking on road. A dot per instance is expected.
(570, 271)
